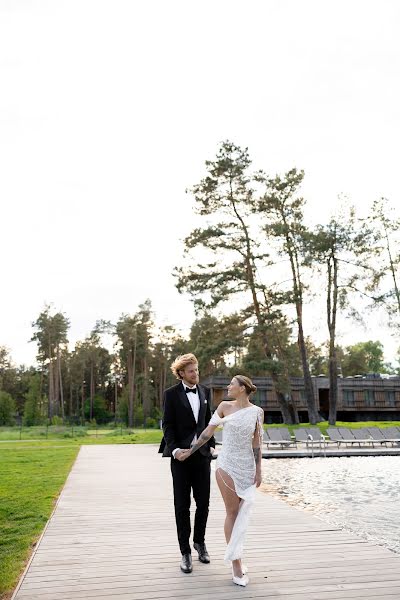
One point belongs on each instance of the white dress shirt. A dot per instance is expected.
(194, 402)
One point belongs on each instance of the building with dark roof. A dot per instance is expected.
(360, 398)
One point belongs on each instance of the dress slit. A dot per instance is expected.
(226, 479)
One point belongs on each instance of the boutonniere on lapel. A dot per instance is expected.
(205, 401)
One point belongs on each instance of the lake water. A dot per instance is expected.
(358, 494)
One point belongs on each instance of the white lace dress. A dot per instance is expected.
(236, 458)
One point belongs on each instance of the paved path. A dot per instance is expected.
(112, 536)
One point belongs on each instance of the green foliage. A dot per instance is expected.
(56, 420)
(138, 415)
(213, 339)
(33, 414)
(123, 407)
(222, 257)
(386, 227)
(7, 408)
(156, 413)
(100, 412)
(138, 412)
(50, 331)
(363, 357)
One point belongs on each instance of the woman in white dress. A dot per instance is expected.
(238, 470)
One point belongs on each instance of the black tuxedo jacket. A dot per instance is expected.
(179, 424)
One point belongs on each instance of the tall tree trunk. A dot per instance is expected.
(83, 400)
(131, 380)
(51, 390)
(129, 364)
(56, 385)
(116, 399)
(146, 396)
(313, 414)
(60, 382)
(164, 385)
(70, 403)
(332, 297)
(42, 407)
(50, 383)
(91, 387)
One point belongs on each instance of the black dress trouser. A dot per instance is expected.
(191, 474)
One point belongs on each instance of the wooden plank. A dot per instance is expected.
(113, 536)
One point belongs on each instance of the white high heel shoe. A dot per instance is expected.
(244, 580)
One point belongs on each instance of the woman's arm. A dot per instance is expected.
(257, 447)
(205, 435)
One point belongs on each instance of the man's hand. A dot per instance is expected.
(179, 455)
(182, 455)
(258, 479)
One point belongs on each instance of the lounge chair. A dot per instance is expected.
(335, 436)
(276, 437)
(341, 435)
(286, 435)
(363, 436)
(309, 436)
(301, 435)
(268, 442)
(392, 434)
(377, 435)
(317, 436)
(348, 437)
(266, 437)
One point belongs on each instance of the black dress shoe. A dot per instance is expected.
(204, 557)
(186, 563)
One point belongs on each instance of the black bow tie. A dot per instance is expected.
(194, 390)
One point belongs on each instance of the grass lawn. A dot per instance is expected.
(30, 482)
(83, 435)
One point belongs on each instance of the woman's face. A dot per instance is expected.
(234, 388)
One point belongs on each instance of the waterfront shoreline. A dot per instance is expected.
(356, 494)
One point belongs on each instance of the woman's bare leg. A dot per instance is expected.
(232, 502)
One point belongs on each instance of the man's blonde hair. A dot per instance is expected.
(181, 362)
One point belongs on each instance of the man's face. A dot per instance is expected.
(191, 374)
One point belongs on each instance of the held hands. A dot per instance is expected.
(182, 455)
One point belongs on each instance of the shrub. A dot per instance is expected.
(156, 413)
(7, 409)
(33, 403)
(100, 412)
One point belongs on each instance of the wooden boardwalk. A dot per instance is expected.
(112, 536)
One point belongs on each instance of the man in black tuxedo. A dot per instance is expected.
(186, 414)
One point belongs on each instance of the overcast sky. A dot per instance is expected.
(108, 110)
